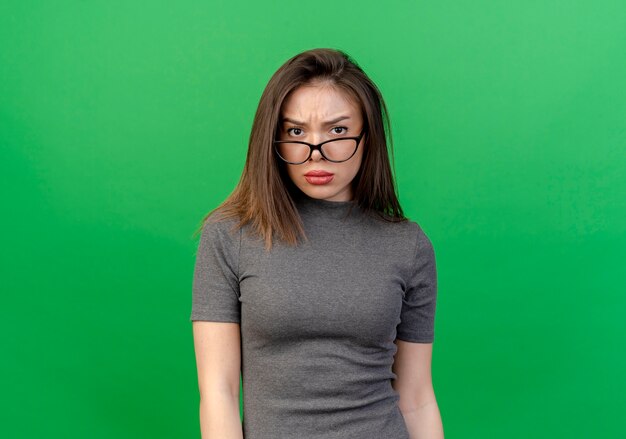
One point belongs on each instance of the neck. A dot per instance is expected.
(324, 208)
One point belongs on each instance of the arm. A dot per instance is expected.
(412, 366)
(218, 360)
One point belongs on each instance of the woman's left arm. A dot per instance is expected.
(412, 366)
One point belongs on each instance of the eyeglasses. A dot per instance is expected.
(334, 150)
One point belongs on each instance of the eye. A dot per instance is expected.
(298, 129)
(340, 128)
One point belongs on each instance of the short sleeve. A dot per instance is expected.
(215, 290)
(417, 318)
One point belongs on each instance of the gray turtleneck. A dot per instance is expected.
(318, 322)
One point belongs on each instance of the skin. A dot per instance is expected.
(314, 105)
(418, 404)
(218, 357)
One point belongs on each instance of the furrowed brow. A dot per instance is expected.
(329, 122)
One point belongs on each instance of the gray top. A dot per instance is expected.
(318, 322)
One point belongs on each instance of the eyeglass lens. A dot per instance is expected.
(337, 150)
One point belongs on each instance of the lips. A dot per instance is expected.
(319, 177)
(318, 174)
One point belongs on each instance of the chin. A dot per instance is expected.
(322, 192)
(315, 192)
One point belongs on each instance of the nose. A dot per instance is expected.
(316, 156)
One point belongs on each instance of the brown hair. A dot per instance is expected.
(263, 196)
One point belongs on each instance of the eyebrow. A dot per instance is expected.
(329, 122)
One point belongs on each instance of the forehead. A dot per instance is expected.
(325, 100)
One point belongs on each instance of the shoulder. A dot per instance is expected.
(417, 246)
(422, 251)
(405, 242)
(423, 244)
(220, 231)
(409, 233)
(423, 261)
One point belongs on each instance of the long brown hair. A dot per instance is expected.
(263, 196)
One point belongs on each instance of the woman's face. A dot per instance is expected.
(313, 114)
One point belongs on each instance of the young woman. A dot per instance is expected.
(309, 280)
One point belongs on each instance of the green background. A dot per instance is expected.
(123, 123)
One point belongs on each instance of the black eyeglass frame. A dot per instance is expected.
(319, 148)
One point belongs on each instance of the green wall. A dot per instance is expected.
(123, 123)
